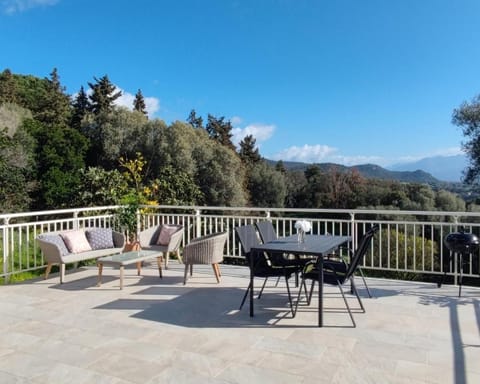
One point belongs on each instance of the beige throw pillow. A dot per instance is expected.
(76, 241)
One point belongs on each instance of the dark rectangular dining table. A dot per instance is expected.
(314, 245)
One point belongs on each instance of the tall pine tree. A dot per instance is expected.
(103, 96)
(81, 106)
(196, 122)
(249, 152)
(220, 130)
(139, 103)
(55, 104)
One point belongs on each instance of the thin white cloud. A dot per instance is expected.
(307, 154)
(10, 7)
(261, 132)
(152, 104)
(326, 154)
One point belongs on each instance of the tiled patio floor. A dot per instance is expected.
(160, 331)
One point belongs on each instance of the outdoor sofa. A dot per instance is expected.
(71, 246)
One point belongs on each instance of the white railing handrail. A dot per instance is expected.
(422, 230)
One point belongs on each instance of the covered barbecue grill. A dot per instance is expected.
(462, 243)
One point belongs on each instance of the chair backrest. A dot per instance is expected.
(361, 250)
(266, 231)
(248, 238)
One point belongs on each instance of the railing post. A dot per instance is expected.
(137, 235)
(5, 248)
(455, 256)
(75, 222)
(352, 230)
(198, 223)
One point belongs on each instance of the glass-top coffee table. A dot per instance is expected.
(126, 258)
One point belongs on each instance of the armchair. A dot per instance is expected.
(164, 238)
(204, 250)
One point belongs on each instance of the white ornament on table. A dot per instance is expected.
(302, 226)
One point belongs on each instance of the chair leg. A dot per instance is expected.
(185, 275)
(47, 271)
(365, 283)
(245, 296)
(346, 304)
(309, 298)
(216, 271)
(304, 285)
(263, 286)
(278, 280)
(289, 296)
(354, 288)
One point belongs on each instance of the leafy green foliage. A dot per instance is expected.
(266, 186)
(99, 187)
(467, 116)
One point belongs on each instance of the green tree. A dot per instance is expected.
(59, 156)
(267, 186)
(15, 172)
(103, 96)
(8, 88)
(219, 174)
(248, 151)
(467, 116)
(220, 130)
(55, 103)
(194, 120)
(449, 202)
(99, 187)
(139, 103)
(81, 106)
(102, 99)
(175, 187)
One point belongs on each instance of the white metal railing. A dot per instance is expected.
(409, 242)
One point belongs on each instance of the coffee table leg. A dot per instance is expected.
(121, 276)
(139, 268)
(159, 262)
(100, 269)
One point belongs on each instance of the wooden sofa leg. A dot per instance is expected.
(62, 273)
(48, 270)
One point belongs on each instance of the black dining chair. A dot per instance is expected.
(337, 272)
(267, 233)
(265, 265)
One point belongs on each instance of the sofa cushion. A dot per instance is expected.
(76, 241)
(165, 233)
(57, 240)
(100, 238)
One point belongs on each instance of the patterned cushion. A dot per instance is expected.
(100, 238)
(165, 233)
(76, 241)
(57, 240)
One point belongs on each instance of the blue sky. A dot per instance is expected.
(345, 81)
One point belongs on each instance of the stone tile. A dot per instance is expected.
(159, 331)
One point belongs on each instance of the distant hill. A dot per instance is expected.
(369, 171)
(446, 168)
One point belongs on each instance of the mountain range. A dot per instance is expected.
(431, 170)
(445, 168)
